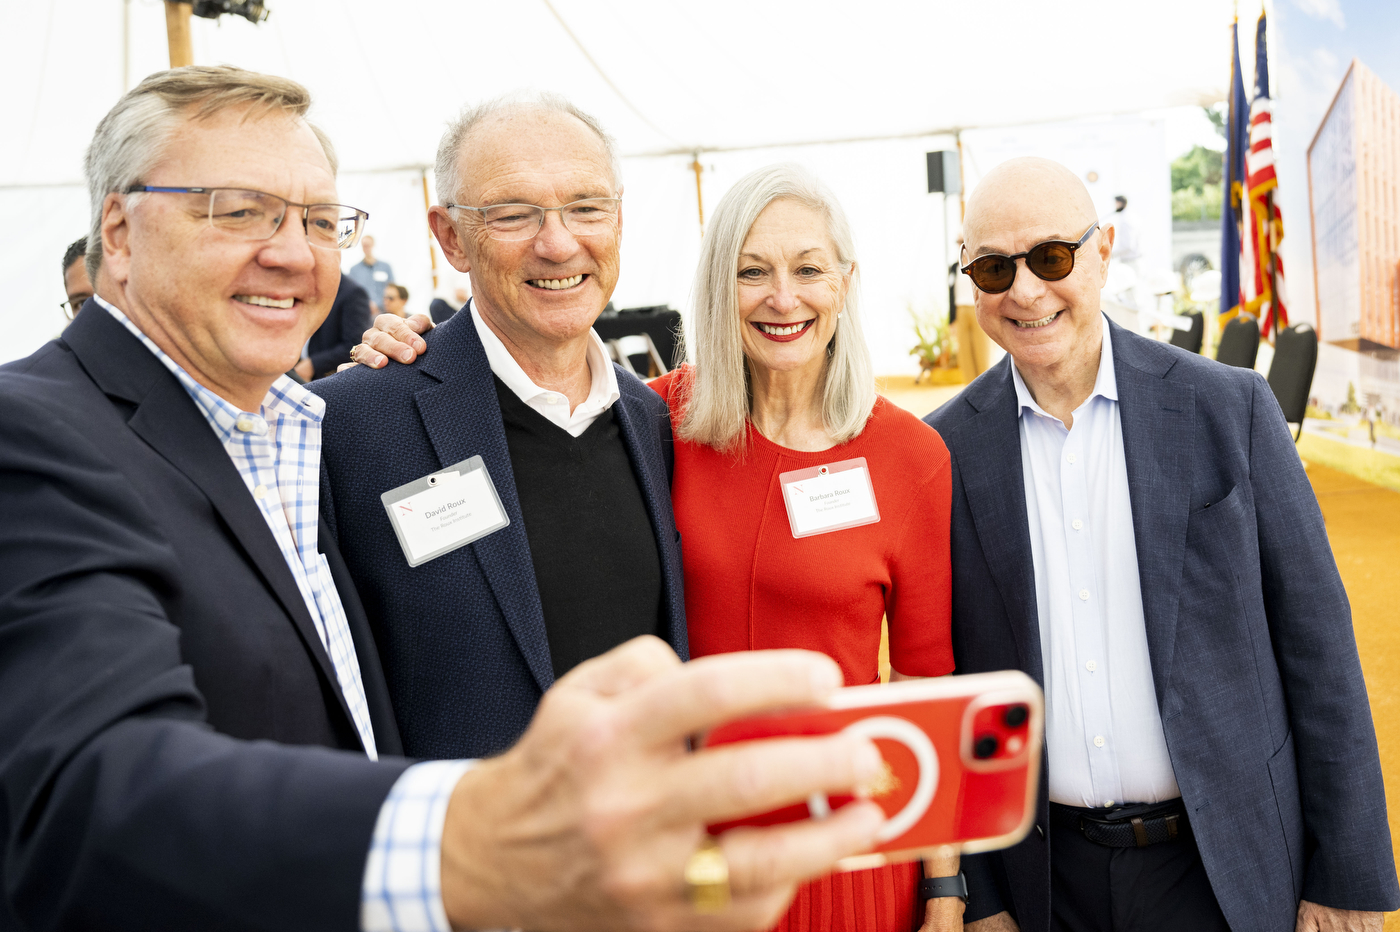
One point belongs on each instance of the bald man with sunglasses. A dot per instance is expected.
(1133, 528)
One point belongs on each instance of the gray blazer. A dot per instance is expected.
(1248, 628)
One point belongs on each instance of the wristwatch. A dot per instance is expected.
(934, 887)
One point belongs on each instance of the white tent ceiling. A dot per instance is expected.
(679, 75)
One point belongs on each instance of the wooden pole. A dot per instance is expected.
(696, 167)
(427, 205)
(177, 33)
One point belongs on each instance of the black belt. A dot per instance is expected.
(1134, 826)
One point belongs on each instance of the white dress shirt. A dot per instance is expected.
(1103, 729)
(277, 451)
(602, 392)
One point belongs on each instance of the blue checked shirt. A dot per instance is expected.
(277, 451)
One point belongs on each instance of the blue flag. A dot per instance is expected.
(1236, 144)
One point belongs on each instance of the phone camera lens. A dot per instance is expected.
(1015, 716)
(985, 747)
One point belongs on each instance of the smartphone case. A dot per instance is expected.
(939, 786)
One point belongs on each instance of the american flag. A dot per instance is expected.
(1262, 291)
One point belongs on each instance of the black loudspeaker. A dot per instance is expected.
(944, 173)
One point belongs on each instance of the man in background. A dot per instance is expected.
(372, 274)
(329, 347)
(75, 277)
(395, 302)
(440, 309)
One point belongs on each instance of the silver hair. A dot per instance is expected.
(446, 168)
(719, 399)
(132, 137)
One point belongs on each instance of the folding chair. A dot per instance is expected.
(1190, 340)
(1291, 372)
(623, 349)
(1239, 344)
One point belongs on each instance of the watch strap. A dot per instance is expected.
(932, 888)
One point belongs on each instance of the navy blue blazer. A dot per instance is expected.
(1248, 630)
(463, 636)
(147, 622)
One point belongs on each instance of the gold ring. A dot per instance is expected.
(707, 878)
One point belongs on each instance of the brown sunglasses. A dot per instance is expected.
(1049, 261)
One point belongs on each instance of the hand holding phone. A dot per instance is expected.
(961, 753)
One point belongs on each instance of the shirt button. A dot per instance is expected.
(1098, 741)
(1077, 524)
(245, 424)
(1108, 804)
(260, 491)
(1091, 666)
(1083, 595)
(1070, 457)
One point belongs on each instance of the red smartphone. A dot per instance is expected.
(961, 760)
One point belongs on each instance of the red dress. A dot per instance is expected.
(749, 584)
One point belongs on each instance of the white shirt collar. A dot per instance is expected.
(602, 391)
(1105, 385)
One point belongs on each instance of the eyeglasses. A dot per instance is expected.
(73, 306)
(257, 215)
(1050, 261)
(588, 217)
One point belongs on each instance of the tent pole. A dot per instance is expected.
(177, 33)
(696, 167)
(427, 206)
(126, 46)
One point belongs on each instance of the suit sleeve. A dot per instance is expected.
(122, 808)
(1350, 863)
(355, 319)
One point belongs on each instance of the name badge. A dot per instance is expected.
(445, 510)
(381, 276)
(829, 498)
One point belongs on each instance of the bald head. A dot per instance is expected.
(1026, 194)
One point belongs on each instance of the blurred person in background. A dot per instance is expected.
(329, 347)
(196, 732)
(441, 309)
(395, 302)
(75, 277)
(372, 274)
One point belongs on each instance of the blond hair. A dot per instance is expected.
(718, 401)
(131, 139)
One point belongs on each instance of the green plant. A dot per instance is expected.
(931, 329)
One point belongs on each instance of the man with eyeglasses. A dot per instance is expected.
(1133, 528)
(195, 731)
(577, 452)
(75, 278)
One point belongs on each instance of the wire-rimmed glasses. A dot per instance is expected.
(257, 215)
(587, 217)
(72, 306)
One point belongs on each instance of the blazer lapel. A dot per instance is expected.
(168, 420)
(1158, 419)
(657, 494)
(988, 451)
(463, 419)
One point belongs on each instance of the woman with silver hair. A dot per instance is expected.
(809, 508)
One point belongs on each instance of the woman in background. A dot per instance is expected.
(780, 380)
